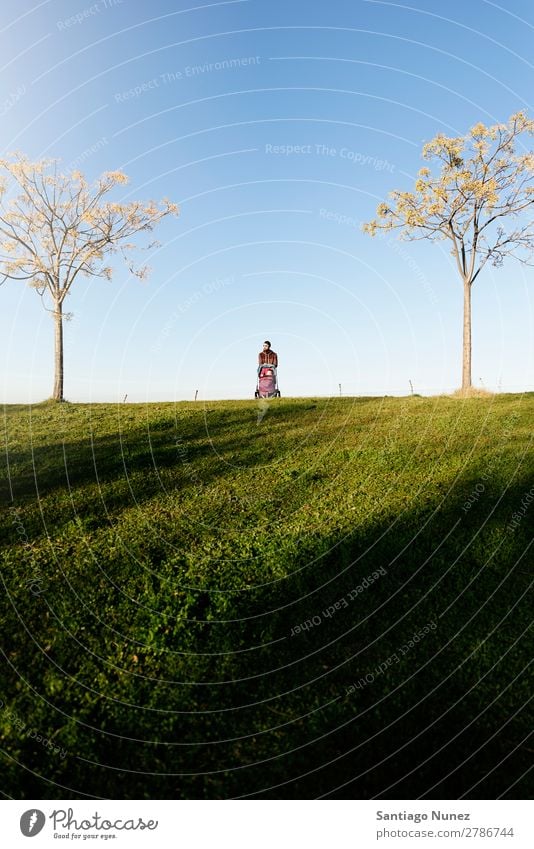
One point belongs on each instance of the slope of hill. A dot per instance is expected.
(310, 597)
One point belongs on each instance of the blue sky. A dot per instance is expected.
(277, 127)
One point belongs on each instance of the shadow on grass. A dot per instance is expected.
(143, 444)
(352, 706)
(137, 455)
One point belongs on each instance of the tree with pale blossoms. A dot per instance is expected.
(480, 198)
(59, 228)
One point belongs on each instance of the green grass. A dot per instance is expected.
(158, 561)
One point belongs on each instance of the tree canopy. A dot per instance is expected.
(60, 226)
(476, 200)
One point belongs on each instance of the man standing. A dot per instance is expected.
(267, 356)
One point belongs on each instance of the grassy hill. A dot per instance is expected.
(310, 597)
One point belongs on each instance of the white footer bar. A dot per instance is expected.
(269, 824)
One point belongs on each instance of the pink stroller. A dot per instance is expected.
(267, 385)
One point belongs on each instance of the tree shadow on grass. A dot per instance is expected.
(163, 442)
(442, 716)
(138, 462)
(350, 706)
(97, 479)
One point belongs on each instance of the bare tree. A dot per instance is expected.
(481, 201)
(59, 227)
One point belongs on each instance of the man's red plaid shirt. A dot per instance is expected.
(269, 357)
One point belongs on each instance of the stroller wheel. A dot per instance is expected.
(277, 395)
(256, 394)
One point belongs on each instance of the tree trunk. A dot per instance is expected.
(58, 353)
(466, 359)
